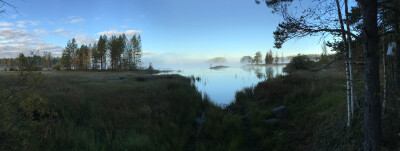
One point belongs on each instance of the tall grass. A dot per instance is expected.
(139, 111)
(115, 111)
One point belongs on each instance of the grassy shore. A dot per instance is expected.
(140, 111)
(102, 111)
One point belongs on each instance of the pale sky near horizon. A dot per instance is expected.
(172, 31)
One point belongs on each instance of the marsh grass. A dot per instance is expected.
(114, 111)
(141, 111)
(317, 105)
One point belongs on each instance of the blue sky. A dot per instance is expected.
(173, 31)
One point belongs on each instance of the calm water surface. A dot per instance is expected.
(221, 84)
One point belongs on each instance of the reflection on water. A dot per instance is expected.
(221, 85)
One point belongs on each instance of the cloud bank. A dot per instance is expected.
(128, 33)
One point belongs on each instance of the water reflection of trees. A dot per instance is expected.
(269, 72)
(260, 71)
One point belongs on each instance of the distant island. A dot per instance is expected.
(218, 67)
(217, 60)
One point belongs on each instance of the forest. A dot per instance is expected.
(115, 53)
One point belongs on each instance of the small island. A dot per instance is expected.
(218, 67)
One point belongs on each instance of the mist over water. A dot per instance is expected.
(221, 84)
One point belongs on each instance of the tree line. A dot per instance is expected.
(257, 59)
(114, 53)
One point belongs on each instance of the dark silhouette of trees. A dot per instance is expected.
(257, 58)
(246, 59)
(83, 55)
(68, 55)
(137, 49)
(117, 47)
(268, 57)
(313, 22)
(47, 60)
(22, 62)
(95, 55)
(102, 50)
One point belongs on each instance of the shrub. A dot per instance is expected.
(300, 62)
(57, 66)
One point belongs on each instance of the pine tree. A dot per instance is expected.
(257, 58)
(116, 46)
(138, 51)
(68, 54)
(102, 50)
(268, 57)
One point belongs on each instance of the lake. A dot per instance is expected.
(221, 84)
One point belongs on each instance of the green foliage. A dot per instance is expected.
(68, 59)
(26, 115)
(83, 57)
(108, 111)
(257, 58)
(136, 44)
(117, 47)
(56, 66)
(46, 59)
(276, 57)
(102, 50)
(22, 62)
(30, 63)
(300, 62)
(268, 57)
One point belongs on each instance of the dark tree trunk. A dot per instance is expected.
(396, 61)
(101, 63)
(372, 115)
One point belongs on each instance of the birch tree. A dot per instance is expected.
(349, 58)
(349, 115)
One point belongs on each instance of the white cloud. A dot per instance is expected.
(15, 41)
(14, 16)
(85, 40)
(60, 31)
(41, 31)
(117, 33)
(10, 33)
(49, 48)
(76, 19)
(6, 24)
(22, 23)
(148, 52)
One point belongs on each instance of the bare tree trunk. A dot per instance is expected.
(101, 63)
(350, 58)
(396, 68)
(372, 108)
(349, 109)
(384, 80)
(347, 65)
